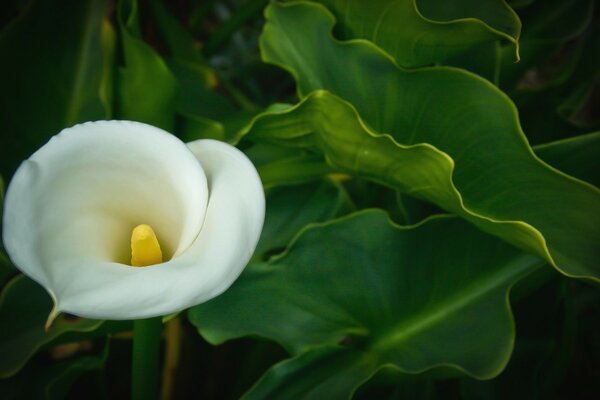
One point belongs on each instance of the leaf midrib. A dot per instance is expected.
(404, 330)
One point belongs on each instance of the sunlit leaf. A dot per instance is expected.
(481, 167)
(425, 32)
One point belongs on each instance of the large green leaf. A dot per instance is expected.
(331, 125)
(366, 293)
(552, 84)
(24, 307)
(481, 167)
(578, 156)
(324, 373)
(546, 26)
(52, 74)
(282, 166)
(289, 209)
(146, 87)
(545, 345)
(426, 32)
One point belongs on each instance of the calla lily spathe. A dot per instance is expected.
(70, 209)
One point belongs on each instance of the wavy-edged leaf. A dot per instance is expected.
(324, 373)
(544, 350)
(421, 33)
(146, 87)
(331, 125)
(546, 26)
(289, 209)
(481, 167)
(420, 297)
(553, 86)
(578, 156)
(24, 308)
(282, 166)
(51, 74)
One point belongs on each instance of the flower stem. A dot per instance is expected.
(146, 359)
(172, 352)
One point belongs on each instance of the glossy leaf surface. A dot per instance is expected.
(422, 33)
(421, 297)
(481, 166)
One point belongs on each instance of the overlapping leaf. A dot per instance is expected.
(547, 25)
(416, 298)
(421, 33)
(146, 88)
(24, 307)
(553, 85)
(577, 156)
(51, 51)
(481, 166)
(289, 209)
(39, 381)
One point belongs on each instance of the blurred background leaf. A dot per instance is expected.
(194, 68)
(146, 87)
(52, 74)
(24, 308)
(556, 85)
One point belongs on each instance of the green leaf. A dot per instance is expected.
(577, 156)
(179, 41)
(324, 373)
(544, 348)
(197, 95)
(55, 381)
(281, 166)
(58, 379)
(293, 170)
(289, 209)
(7, 270)
(24, 308)
(327, 123)
(430, 32)
(146, 88)
(553, 85)
(246, 11)
(546, 25)
(361, 293)
(52, 74)
(481, 167)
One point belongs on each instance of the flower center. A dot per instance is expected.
(145, 249)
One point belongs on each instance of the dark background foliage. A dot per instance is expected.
(195, 69)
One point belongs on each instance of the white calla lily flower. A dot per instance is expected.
(71, 207)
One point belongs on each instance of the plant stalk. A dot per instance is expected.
(145, 372)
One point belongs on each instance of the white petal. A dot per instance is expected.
(233, 223)
(70, 208)
(231, 229)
